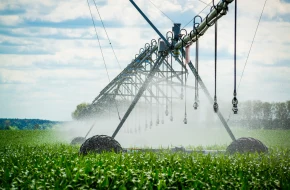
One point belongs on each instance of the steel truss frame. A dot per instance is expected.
(144, 71)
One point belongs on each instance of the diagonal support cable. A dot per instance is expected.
(102, 54)
(107, 35)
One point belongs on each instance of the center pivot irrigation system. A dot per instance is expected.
(154, 77)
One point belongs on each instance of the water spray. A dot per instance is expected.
(161, 50)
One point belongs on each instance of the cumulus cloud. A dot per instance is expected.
(50, 55)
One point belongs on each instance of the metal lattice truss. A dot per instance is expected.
(145, 77)
(126, 85)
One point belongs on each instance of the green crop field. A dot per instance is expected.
(39, 160)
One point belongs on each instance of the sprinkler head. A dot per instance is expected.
(151, 123)
(185, 120)
(235, 105)
(235, 110)
(215, 107)
(157, 122)
(235, 101)
(195, 105)
(171, 118)
(166, 112)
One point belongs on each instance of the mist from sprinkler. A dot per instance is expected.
(203, 128)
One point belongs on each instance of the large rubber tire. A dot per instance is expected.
(99, 144)
(78, 141)
(247, 144)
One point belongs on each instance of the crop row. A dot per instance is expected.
(59, 166)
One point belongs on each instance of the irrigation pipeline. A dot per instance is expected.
(188, 39)
(215, 14)
(150, 48)
(176, 149)
(207, 4)
(191, 37)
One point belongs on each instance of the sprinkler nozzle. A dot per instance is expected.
(166, 112)
(195, 105)
(235, 105)
(185, 120)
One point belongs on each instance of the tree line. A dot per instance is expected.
(29, 124)
(263, 115)
(85, 111)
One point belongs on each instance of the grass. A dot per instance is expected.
(39, 160)
(28, 137)
(271, 138)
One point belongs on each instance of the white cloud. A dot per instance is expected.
(18, 77)
(10, 20)
(74, 71)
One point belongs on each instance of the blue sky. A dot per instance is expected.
(50, 60)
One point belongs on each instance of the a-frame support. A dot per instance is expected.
(203, 26)
(140, 92)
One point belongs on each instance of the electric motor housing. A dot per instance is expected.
(162, 47)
